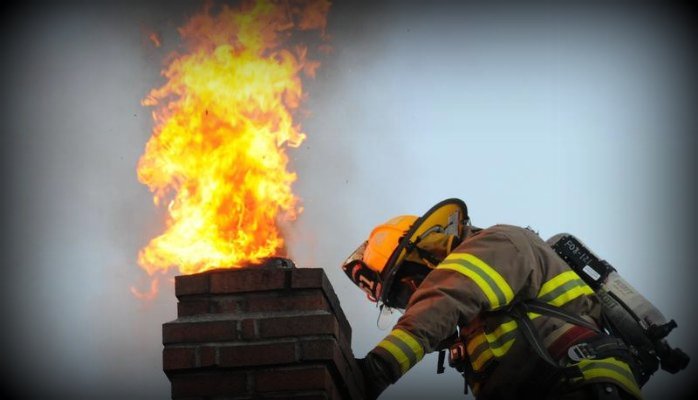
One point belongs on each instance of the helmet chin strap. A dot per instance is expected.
(435, 228)
(427, 256)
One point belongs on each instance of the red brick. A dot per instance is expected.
(257, 354)
(302, 278)
(349, 357)
(318, 349)
(310, 377)
(248, 329)
(208, 384)
(302, 325)
(316, 278)
(294, 301)
(306, 339)
(191, 284)
(207, 356)
(227, 305)
(344, 326)
(328, 349)
(178, 358)
(186, 308)
(269, 302)
(247, 280)
(198, 332)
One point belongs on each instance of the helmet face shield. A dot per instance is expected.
(364, 277)
(357, 255)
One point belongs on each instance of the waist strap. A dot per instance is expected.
(597, 346)
(601, 347)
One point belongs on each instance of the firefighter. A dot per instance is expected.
(466, 290)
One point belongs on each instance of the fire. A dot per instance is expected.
(155, 38)
(217, 158)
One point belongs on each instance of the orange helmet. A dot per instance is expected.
(384, 240)
(365, 264)
(400, 252)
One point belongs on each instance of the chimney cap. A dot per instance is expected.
(277, 262)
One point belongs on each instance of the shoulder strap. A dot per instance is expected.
(540, 307)
(519, 311)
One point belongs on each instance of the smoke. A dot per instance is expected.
(564, 119)
(75, 213)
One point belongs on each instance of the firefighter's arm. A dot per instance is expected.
(483, 273)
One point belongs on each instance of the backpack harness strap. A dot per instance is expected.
(600, 347)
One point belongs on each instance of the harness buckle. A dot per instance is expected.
(457, 356)
(581, 351)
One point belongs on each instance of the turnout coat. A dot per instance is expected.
(488, 271)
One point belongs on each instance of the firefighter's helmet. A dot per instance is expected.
(402, 251)
(384, 240)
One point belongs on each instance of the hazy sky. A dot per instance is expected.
(572, 119)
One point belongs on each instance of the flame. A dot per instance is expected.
(150, 294)
(223, 122)
(154, 37)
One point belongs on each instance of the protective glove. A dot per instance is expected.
(376, 373)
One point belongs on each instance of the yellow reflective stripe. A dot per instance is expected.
(484, 346)
(563, 288)
(397, 354)
(570, 295)
(491, 283)
(409, 341)
(475, 342)
(403, 348)
(556, 282)
(495, 337)
(613, 369)
(479, 281)
(482, 359)
(533, 315)
(482, 354)
(503, 349)
(479, 351)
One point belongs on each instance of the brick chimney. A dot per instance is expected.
(270, 331)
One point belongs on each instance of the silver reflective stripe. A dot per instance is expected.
(561, 290)
(405, 349)
(485, 277)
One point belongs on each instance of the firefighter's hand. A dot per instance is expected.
(376, 375)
